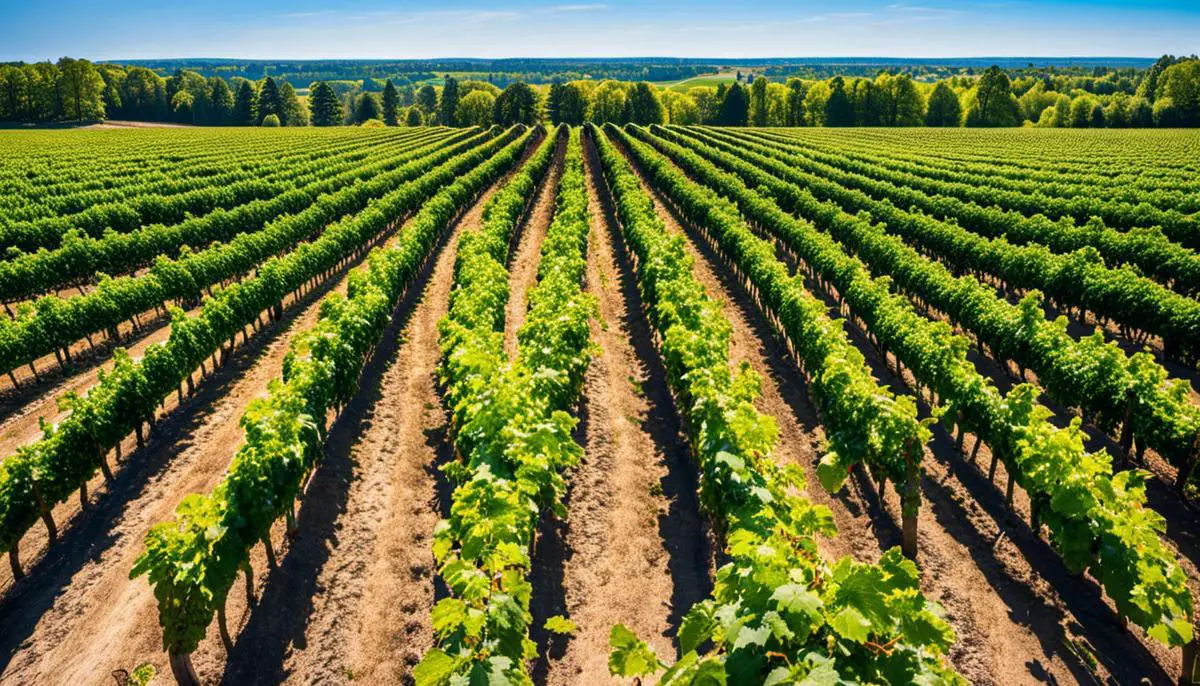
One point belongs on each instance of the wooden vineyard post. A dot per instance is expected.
(911, 506)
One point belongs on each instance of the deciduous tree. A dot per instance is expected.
(795, 102)
(81, 90)
(758, 102)
(643, 105)
(475, 109)
(839, 110)
(570, 104)
(517, 104)
(993, 103)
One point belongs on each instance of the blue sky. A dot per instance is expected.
(297, 29)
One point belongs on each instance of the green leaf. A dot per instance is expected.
(851, 625)
(561, 625)
(434, 669)
(448, 615)
(630, 655)
(832, 473)
(697, 626)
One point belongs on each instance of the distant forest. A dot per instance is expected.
(501, 72)
(1098, 92)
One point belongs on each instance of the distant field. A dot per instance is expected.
(710, 80)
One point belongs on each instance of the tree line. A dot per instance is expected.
(1165, 95)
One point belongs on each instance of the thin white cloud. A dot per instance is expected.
(592, 7)
(305, 15)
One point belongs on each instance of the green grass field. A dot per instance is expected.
(710, 80)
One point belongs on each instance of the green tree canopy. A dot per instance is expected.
(427, 99)
(643, 105)
(839, 110)
(294, 113)
(795, 102)
(1181, 83)
(758, 102)
(221, 99)
(475, 109)
(608, 103)
(270, 101)
(735, 107)
(993, 103)
(366, 107)
(324, 105)
(517, 104)
(902, 102)
(391, 104)
(81, 89)
(569, 106)
(448, 107)
(243, 106)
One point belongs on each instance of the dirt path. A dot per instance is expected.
(525, 258)
(636, 547)
(357, 586)
(78, 615)
(1000, 637)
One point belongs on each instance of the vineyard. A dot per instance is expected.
(600, 404)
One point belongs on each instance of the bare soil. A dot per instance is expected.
(1006, 618)
(525, 258)
(353, 602)
(635, 549)
(78, 615)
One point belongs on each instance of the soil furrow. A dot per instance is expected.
(997, 642)
(79, 615)
(357, 586)
(525, 258)
(637, 549)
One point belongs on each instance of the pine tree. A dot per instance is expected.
(221, 100)
(735, 107)
(839, 110)
(366, 107)
(449, 103)
(295, 114)
(427, 99)
(270, 101)
(243, 106)
(391, 104)
(944, 108)
(324, 104)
